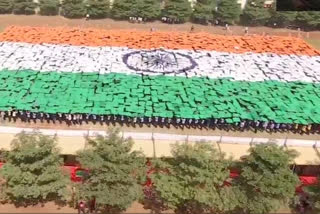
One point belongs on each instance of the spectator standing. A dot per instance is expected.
(81, 207)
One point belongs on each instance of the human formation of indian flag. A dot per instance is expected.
(168, 75)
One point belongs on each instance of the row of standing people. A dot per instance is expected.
(208, 123)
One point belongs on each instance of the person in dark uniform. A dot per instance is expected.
(192, 29)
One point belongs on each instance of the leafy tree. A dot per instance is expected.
(123, 9)
(193, 180)
(149, 9)
(284, 5)
(32, 172)
(178, 10)
(73, 8)
(203, 11)
(229, 11)
(26, 7)
(98, 8)
(6, 6)
(255, 13)
(314, 193)
(49, 7)
(282, 19)
(115, 172)
(266, 181)
(309, 19)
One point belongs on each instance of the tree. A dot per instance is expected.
(98, 8)
(149, 9)
(282, 19)
(6, 6)
(49, 7)
(123, 9)
(26, 7)
(266, 181)
(255, 13)
(32, 172)
(309, 19)
(203, 11)
(284, 5)
(73, 8)
(229, 11)
(178, 10)
(193, 180)
(314, 193)
(115, 172)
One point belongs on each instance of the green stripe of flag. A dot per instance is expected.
(163, 96)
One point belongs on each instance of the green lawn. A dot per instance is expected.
(314, 42)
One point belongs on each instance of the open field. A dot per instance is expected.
(34, 20)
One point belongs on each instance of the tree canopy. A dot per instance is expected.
(255, 13)
(149, 9)
(32, 172)
(98, 8)
(266, 181)
(6, 6)
(49, 7)
(309, 19)
(25, 7)
(228, 11)
(123, 9)
(73, 8)
(203, 11)
(192, 181)
(178, 10)
(115, 172)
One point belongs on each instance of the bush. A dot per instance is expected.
(115, 169)
(193, 180)
(98, 8)
(255, 13)
(228, 11)
(123, 9)
(25, 7)
(178, 10)
(203, 11)
(32, 173)
(73, 8)
(266, 182)
(309, 19)
(149, 9)
(6, 6)
(49, 7)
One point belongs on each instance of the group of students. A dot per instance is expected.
(210, 123)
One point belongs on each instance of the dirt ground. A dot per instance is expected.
(35, 20)
(52, 208)
(136, 208)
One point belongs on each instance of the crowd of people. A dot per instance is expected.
(210, 123)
